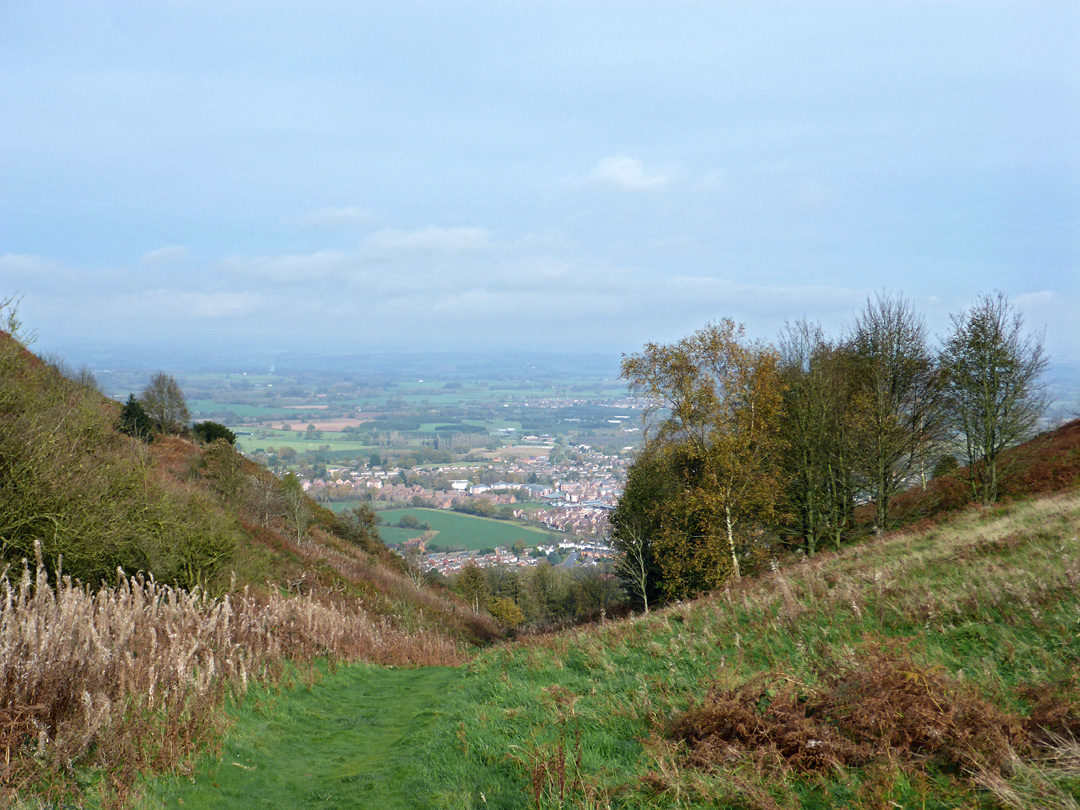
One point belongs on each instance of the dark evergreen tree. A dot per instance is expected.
(134, 420)
(209, 431)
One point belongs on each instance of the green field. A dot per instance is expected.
(391, 535)
(467, 531)
(250, 444)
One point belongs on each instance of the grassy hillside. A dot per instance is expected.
(934, 668)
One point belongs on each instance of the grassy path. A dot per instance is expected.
(358, 739)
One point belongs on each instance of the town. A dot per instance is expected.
(580, 488)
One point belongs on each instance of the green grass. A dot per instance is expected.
(356, 739)
(468, 531)
(990, 601)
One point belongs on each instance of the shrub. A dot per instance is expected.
(211, 431)
(134, 420)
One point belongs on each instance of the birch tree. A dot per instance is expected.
(899, 418)
(993, 391)
(716, 404)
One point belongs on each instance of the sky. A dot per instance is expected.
(546, 176)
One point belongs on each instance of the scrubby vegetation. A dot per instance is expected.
(147, 583)
(86, 494)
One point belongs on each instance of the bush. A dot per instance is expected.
(71, 484)
(506, 612)
(945, 465)
(134, 420)
(209, 431)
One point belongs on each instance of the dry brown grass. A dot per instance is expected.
(134, 676)
(880, 707)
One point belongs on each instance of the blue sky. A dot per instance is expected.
(560, 176)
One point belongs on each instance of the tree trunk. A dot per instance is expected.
(731, 542)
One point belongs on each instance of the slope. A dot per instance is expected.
(148, 583)
(933, 668)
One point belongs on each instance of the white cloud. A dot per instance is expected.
(178, 305)
(1042, 299)
(335, 217)
(431, 239)
(16, 265)
(164, 255)
(293, 267)
(626, 174)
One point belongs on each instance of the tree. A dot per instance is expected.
(164, 403)
(819, 493)
(472, 585)
(134, 420)
(296, 505)
(643, 514)
(414, 567)
(899, 418)
(225, 468)
(360, 525)
(596, 591)
(632, 563)
(266, 497)
(993, 391)
(722, 402)
(209, 431)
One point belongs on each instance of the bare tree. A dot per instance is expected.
(897, 393)
(414, 568)
(266, 497)
(632, 562)
(993, 387)
(296, 506)
(164, 403)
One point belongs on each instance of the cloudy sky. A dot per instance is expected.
(549, 175)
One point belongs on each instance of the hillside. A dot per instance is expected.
(1049, 462)
(146, 583)
(927, 668)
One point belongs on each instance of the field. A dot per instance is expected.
(468, 532)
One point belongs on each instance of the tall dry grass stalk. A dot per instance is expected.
(134, 676)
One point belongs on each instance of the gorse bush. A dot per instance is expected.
(86, 493)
